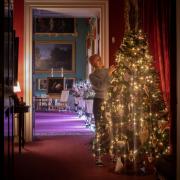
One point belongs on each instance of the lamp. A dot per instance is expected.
(17, 88)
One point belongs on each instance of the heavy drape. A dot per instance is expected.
(155, 20)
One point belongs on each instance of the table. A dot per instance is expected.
(21, 109)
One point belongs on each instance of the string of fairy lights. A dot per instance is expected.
(134, 125)
(136, 118)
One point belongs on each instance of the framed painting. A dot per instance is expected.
(54, 55)
(42, 84)
(55, 85)
(69, 82)
(54, 25)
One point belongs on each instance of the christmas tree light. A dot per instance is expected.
(137, 118)
(134, 126)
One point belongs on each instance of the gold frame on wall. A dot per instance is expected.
(42, 84)
(55, 86)
(54, 55)
(55, 26)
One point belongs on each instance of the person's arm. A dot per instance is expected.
(111, 70)
(99, 82)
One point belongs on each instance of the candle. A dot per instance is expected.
(62, 72)
(52, 72)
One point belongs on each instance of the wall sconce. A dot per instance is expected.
(17, 88)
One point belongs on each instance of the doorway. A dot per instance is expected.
(76, 6)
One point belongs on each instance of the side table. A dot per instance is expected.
(21, 109)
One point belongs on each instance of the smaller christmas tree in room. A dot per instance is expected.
(135, 109)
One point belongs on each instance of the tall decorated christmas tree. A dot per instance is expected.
(136, 112)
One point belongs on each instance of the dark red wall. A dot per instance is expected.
(19, 27)
(116, 26)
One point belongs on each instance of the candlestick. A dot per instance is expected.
(62, 72)
(52, 72)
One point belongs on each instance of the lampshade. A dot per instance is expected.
(17, 88)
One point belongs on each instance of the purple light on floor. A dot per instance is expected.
(60, 123)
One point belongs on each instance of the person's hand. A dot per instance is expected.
(111, 69)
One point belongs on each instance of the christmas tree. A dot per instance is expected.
(135, 109)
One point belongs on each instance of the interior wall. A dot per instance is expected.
(116, 27)
(82, 30)
(18, 21)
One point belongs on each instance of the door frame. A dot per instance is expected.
(29, 5)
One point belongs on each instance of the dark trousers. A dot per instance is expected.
(97, 103)
(101, 141)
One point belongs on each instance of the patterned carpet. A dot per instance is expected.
(60, 123)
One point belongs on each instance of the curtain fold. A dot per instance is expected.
(154, 18)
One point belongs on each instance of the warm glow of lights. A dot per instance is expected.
(17, 88)
(135, 103)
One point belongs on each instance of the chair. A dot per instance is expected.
(63, 100)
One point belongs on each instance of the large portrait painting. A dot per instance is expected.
(55, 85)
(54, 25)
(56, 55)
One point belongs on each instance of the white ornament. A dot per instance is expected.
(119, 165)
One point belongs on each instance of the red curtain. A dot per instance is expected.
(154, 19)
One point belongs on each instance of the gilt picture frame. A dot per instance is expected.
(54, 25)
(42, 84)
(55, 85)
(54, 55)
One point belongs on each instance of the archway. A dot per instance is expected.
(101, 5)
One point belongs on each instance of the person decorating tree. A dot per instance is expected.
(100, 80)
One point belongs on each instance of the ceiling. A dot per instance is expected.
(67, 12)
